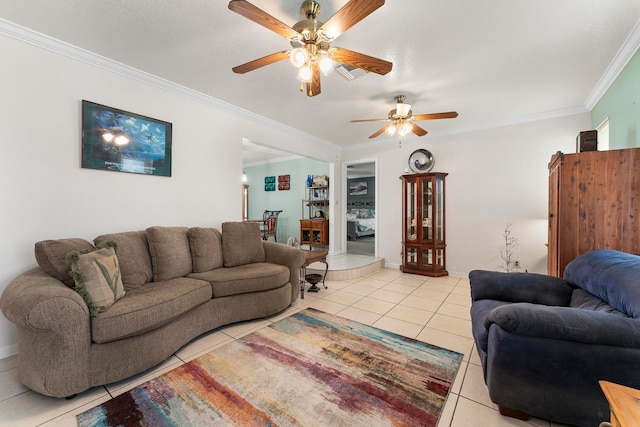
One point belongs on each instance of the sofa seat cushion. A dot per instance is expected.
(261, 276)
(149, 307)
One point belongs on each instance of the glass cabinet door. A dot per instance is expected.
(412, 210)
(438, 208)
(427, 210)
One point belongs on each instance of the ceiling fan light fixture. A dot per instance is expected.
(391, 130)
(402, 110)
(404, 128)
(299, 57)
(325, 62)
(304, 74)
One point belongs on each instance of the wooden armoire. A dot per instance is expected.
(594, 202)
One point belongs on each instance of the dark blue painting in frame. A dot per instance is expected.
(118, 140)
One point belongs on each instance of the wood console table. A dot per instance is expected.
(624, 403)
(309, 258)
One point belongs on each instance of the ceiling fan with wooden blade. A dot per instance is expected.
(311, 40)
(401, 120)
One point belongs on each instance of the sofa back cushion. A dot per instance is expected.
(51, 256)
(206, 249)
(133, 256)
(170, 253)
(241, 243)
(612, 276)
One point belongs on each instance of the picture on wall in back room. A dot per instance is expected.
(358, 188)
(118, 140)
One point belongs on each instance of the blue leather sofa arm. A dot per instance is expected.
(519, 287)
(566, 324)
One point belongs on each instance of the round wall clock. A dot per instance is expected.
(421, 161)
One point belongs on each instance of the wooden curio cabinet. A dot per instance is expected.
(423, 225)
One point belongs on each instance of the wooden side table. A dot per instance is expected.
(309, 258)
(624, 403)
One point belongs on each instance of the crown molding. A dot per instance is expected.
(44, 41)
(622, 58)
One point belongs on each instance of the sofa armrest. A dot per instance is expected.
(289, 256)
(566, 324)
(54, 330)
(519, 287)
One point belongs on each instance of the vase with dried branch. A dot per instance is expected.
(510, 263)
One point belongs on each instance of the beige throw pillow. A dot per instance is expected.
(97, 277)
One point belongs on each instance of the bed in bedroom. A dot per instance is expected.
(361, 219)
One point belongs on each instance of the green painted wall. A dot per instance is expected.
(621, 103)
(289, 201)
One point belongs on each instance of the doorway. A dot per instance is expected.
(360, 208)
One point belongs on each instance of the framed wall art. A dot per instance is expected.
(269, 183)
(358, 188)
(284, 182)
(118, 140)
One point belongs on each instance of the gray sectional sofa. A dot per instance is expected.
(175, 284)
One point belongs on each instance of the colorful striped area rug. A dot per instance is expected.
(310, 369)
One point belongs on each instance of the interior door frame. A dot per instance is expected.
(345, 192)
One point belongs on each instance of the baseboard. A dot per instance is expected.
(8, 351)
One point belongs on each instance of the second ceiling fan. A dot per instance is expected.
(402, 120)
(312, 39)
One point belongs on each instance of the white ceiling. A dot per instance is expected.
(492, 61)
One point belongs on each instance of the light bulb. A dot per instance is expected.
(298, 57)
(391, 130)
(405, 129)
(326, 64)
(107, 136)
(305, 73)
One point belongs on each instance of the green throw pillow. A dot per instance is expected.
(97, 276)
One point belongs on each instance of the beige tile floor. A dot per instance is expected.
(434, 310)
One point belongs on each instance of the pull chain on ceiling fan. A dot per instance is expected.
(311, 40)
(402, 120)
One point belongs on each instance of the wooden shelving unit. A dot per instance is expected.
(314, 226)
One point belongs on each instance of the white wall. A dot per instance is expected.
(496, 176)
(47, 195)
